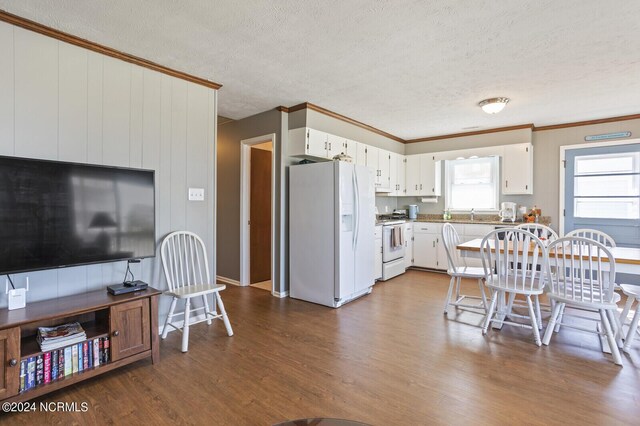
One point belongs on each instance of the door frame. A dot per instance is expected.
(245, 199)
(563, 150)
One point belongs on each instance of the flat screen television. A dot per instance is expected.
(55, 214)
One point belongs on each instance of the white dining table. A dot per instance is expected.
(627, 260)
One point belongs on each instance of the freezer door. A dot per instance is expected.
(365, 228)
(345, 230)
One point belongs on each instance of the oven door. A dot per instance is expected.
(391, 253)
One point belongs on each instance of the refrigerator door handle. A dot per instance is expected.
(356, 199)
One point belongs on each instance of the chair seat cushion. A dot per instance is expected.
(468, 272)
(195, 290)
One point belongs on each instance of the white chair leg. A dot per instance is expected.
(458, 288)
(483, 295)
(492, 307)
(446, 302)
(610, 337)
(207, 312)
(185, 327)
(538, 312)
(614, 320)
(632, 330)
(561, 315)
(512, 298)
(167, 321)
(225, 318)
(552, 322)
(627, 308)
(534, 322)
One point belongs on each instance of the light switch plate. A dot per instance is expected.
(196, 194)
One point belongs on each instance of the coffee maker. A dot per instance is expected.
(508, 212)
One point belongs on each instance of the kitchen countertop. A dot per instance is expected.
(464, 219)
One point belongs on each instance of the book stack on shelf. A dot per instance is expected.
(65, 351)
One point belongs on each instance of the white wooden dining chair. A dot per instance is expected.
(186, 268)
(583, 283)
(458, 269)
(633, 295)
(519, 267)
(539, 230)
(593, 234)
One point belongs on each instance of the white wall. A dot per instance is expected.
(62, 102)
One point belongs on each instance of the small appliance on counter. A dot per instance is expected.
(508, 212)
(413, 211)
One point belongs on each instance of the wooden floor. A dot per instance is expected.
(390, 358)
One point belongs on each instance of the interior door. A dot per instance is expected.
(130, 332)
(10, 362)
(260, 216)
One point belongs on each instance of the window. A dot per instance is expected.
(472, 184)
(607, 186)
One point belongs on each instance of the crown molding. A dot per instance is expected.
(95, 47)
(587, 122)
(476, 132)
(307, 105)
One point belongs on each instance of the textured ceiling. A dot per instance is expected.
(411, 68)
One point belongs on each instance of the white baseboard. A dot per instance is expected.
(226, 280)
(279, 294)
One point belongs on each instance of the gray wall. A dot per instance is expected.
(229, 136)
(62, 102)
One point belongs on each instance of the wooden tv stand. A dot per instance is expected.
(130, 320)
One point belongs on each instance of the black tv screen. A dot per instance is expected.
(55, 214)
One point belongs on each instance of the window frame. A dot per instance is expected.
(495, 175)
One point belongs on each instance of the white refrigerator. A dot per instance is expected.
(331, 232)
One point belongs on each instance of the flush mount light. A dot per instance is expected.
(493, 105)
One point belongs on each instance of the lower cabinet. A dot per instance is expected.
(130, 332)
(408, 244)
(10, 358)
(378, 253)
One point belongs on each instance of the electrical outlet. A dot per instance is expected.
(196, 194)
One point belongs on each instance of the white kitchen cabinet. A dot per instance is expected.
(397, 175)
(378, 253)
(430, 175)
(423, 175)
(307, 142)
(361, 154)
(401, 175)
(425, 249)
(517, 169)
(351, 149)
(412, 174)
(371, 155)
(335, 145)
(408, 244)
(384, 171)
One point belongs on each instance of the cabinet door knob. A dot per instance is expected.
(13, 362)
(116, 333)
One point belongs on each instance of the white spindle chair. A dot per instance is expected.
(458, 269)
(539, 230)
(581, 281)
(601, 237)
(512, 268)
(593, 234)
(186, 268)
(633, 295)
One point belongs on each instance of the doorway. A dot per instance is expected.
(257, 231)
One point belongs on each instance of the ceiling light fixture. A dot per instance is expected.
(493, 105)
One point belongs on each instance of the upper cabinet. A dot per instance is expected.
(423, 175)
(306, 142)
(517, 169)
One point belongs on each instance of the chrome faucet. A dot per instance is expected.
(472, 214)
